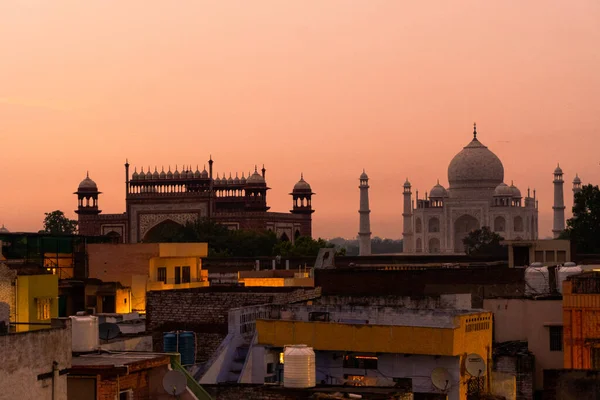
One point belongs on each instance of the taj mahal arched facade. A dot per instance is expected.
(477, 196)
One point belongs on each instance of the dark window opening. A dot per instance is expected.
(185, 275)
(162, 274)
(556, 338)
(177, 275)
(360, 362)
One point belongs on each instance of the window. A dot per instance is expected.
(162, 274)
(185, 275)
(360, 362)
(44, 307)
(556, 338)
(595, 357)
(177, 275)
(126, 395)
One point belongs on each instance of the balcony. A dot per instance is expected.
(177, 284)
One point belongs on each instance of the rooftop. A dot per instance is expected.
(104, 360)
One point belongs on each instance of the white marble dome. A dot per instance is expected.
(503, 190)
(438, 191)
(475, 167)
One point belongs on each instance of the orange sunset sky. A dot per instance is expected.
(321, 87)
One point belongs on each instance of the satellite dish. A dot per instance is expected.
(108, 331)
(475, 365)
(441, 379)
(174, 382)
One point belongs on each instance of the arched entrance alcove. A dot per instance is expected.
(463, 225)
(165, 231)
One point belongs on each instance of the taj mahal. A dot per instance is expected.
(477, 196)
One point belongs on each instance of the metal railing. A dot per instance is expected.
(192, 384)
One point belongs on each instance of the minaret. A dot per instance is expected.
(364, 231)
(407, 231)
(576, 186)
(559, 203)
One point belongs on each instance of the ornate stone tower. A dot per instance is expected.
(559, 203)
(576, 186)
(364, 230)
(87, 197)
(407, 231)
(302, 204)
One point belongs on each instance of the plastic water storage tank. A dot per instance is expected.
(187, 348)
(299, 370)
(85, 334)
(170, 342)
(183, 343)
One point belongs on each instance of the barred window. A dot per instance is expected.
(44, 308)
(556, 338)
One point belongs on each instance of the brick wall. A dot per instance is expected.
(137, 380)
(7, 293)
(571, 384)
(520, 366)
(480, 282)
(205, 311)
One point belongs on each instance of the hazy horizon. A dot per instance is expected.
(320, 88)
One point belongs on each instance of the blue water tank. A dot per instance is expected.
(170, 342)
(187, 348)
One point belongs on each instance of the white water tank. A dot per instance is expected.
(299, 369)
(84, 333)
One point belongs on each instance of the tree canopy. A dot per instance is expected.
(584, 228)
(57, 223)
(483, 241)
(224, 242)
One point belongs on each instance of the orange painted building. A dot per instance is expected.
(581, 321)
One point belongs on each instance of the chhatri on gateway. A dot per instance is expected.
(476, 196)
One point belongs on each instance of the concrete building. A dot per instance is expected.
(522, 253)
(376, 346)
(477, 196)
(276, 278)
(364, 230)
(34, 363)
(538, 323)
(126, 376)
(148, 266)
(581, 313)
(28, 296)
(155, 200)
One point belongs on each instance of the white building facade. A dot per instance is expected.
(477, 196)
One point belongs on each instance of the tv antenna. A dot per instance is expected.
(441, 379)
(108, 331)
(475, 365)
(174, 383)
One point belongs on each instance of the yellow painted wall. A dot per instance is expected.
(304, 282)
(375, 338)
(123, 301)
(170, 263)
(29, 289)
(183, 249)
(387, 338)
